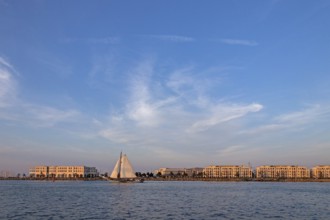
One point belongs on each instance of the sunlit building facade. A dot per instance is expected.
(63, 171)
(321, 172)
(191, 172)
(169, 171)
(194, 172)
(227, 171)
(282, 171)
(38, 171)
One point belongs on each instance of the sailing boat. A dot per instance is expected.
(123, 171)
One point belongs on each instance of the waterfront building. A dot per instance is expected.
(170, 171)
(38, 171)
(282, 171)
(321, 172)
(227, 171)
(194, 172)
(191, 172)
(63, 171)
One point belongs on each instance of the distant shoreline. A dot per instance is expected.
(236, 180)
(164, 179)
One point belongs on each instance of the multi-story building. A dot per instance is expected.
(282, 171)
(38, 171)
(169, 171)
(63, 171)
(321, 172)
(228, 171)
(194, 172)
(179, 171)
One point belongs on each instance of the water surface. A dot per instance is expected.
(163, 200)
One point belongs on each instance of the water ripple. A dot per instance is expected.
(163, 200)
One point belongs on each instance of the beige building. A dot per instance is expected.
(321, 172)
(179, 171)
(282, 171)
(228, 171)
(195, 172)
(38, 171)
(63, 171)
(169, 171)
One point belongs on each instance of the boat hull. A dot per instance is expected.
(126, 180)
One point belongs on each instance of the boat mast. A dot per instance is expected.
(119, 167)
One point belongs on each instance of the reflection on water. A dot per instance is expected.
(163, 200)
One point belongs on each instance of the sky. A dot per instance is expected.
(170, 83)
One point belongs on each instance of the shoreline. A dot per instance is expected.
(233, 180)
(165, 179)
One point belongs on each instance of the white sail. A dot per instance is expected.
(126, 170)
(115, 172)
(123, 168)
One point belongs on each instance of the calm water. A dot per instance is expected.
(163, 200)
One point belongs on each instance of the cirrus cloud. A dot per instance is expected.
(239, 42)
(171, 38)
(24, 112)
(176, 110)
(7, 84)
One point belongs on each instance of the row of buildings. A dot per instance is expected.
(241, 171)
(317, 172)
(214, 171)
(63, 171)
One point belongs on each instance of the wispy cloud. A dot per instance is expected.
(171, 113)
(186, 83)
(181, 80)
(238, 42)
(7, 84)
(45, 116)
(117, 136)
(93, 40)
(102, 71)
(36, 115)
(222, 113)
(22, 111)
(5, 63)
(142, 107)
(298, 119)
(104, 40)
(171, 38)
(307, 115)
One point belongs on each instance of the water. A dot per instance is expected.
(163, 200)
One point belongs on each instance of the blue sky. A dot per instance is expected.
(171, 83)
